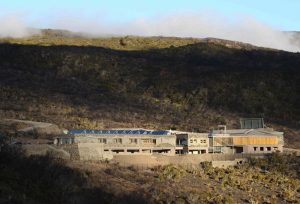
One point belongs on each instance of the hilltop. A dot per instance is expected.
(50, 37)
(78, 81)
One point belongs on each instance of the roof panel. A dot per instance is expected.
(127, 132)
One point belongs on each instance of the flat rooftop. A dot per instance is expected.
(119, 132)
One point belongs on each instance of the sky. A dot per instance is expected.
(231, 19)
(282, 14)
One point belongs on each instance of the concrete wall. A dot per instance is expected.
(127, 144)
(184, 160)
(93, 151)
(197, 140)
(129, 140)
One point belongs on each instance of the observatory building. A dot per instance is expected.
(252, 138)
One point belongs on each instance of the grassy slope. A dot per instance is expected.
(189, 84)
(50, 37)
(42, 179)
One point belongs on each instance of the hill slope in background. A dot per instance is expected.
(187, 84)
(49, 37)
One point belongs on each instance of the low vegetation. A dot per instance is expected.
(44, 179)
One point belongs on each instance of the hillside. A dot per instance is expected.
(187, 84)
(49, 37)
(44, 179)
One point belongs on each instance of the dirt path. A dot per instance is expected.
(291, 151)
(32, 124)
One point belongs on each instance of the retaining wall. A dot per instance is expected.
(185, 160)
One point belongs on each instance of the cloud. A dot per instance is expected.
(13, 26)
(204, 24)
(199, 24)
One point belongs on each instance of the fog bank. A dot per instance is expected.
(199, 24)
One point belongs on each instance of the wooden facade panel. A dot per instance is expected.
(246, 140)
(252, 140)
(225, 141)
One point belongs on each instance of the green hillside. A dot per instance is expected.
(187, 84)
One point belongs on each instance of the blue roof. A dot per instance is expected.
(119, 132)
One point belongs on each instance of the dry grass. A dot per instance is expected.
(260, 181)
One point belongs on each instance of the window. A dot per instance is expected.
(133, 141)
(118, 141)
(268, 148)
(195, 140)
(255, 148)
(203, 141)
(261, 148)
(149, 141)
(102, 140)
(67, 140)
(191, 141)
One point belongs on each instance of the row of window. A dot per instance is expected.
(131, 141)
(149, 141)
(65, 140)
(263, 148)
(195, 141)
(116, 140)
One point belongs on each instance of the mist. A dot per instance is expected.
(13, 26)
(200, 24)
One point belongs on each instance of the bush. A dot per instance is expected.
(37, 179)
(171, 172)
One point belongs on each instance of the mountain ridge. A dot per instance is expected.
(50, 37)
(191, 87)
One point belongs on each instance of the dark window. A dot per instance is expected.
(268, 148)
(133, 141)
(255, 148)
(103, 140)
(67, 140)
(261, 148)
(118, 141)
(149, 141)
